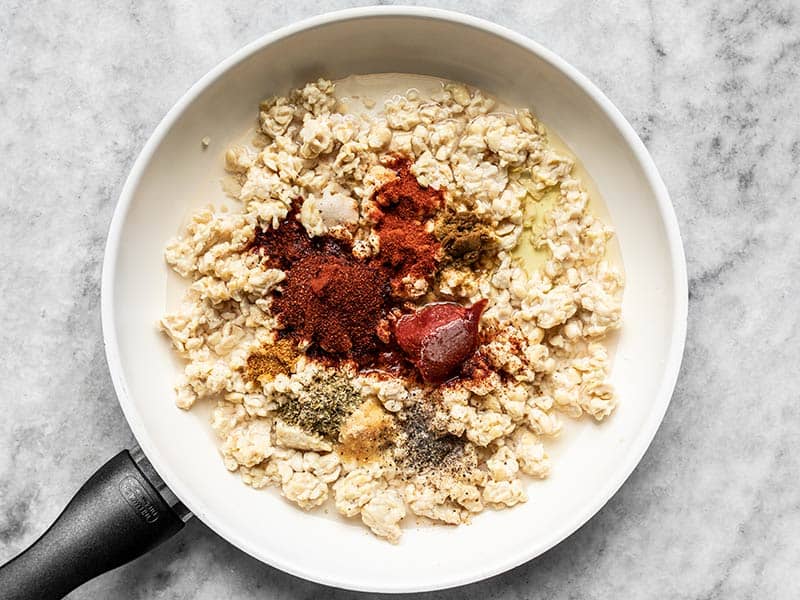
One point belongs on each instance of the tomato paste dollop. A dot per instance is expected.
(439, 337)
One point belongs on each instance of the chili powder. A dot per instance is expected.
(407, 248)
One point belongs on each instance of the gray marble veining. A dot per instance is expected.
(713, 88)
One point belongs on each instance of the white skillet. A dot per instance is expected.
(173, 175)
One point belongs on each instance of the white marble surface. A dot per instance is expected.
(712, 86)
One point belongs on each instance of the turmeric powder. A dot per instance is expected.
(264, 364)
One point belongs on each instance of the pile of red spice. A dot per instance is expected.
(329, 297)
(407, 249)
(337, 301)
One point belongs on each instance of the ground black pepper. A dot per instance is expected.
(425, 448)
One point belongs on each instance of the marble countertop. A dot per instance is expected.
(713, 88)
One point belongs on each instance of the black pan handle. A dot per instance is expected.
(121, 512)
